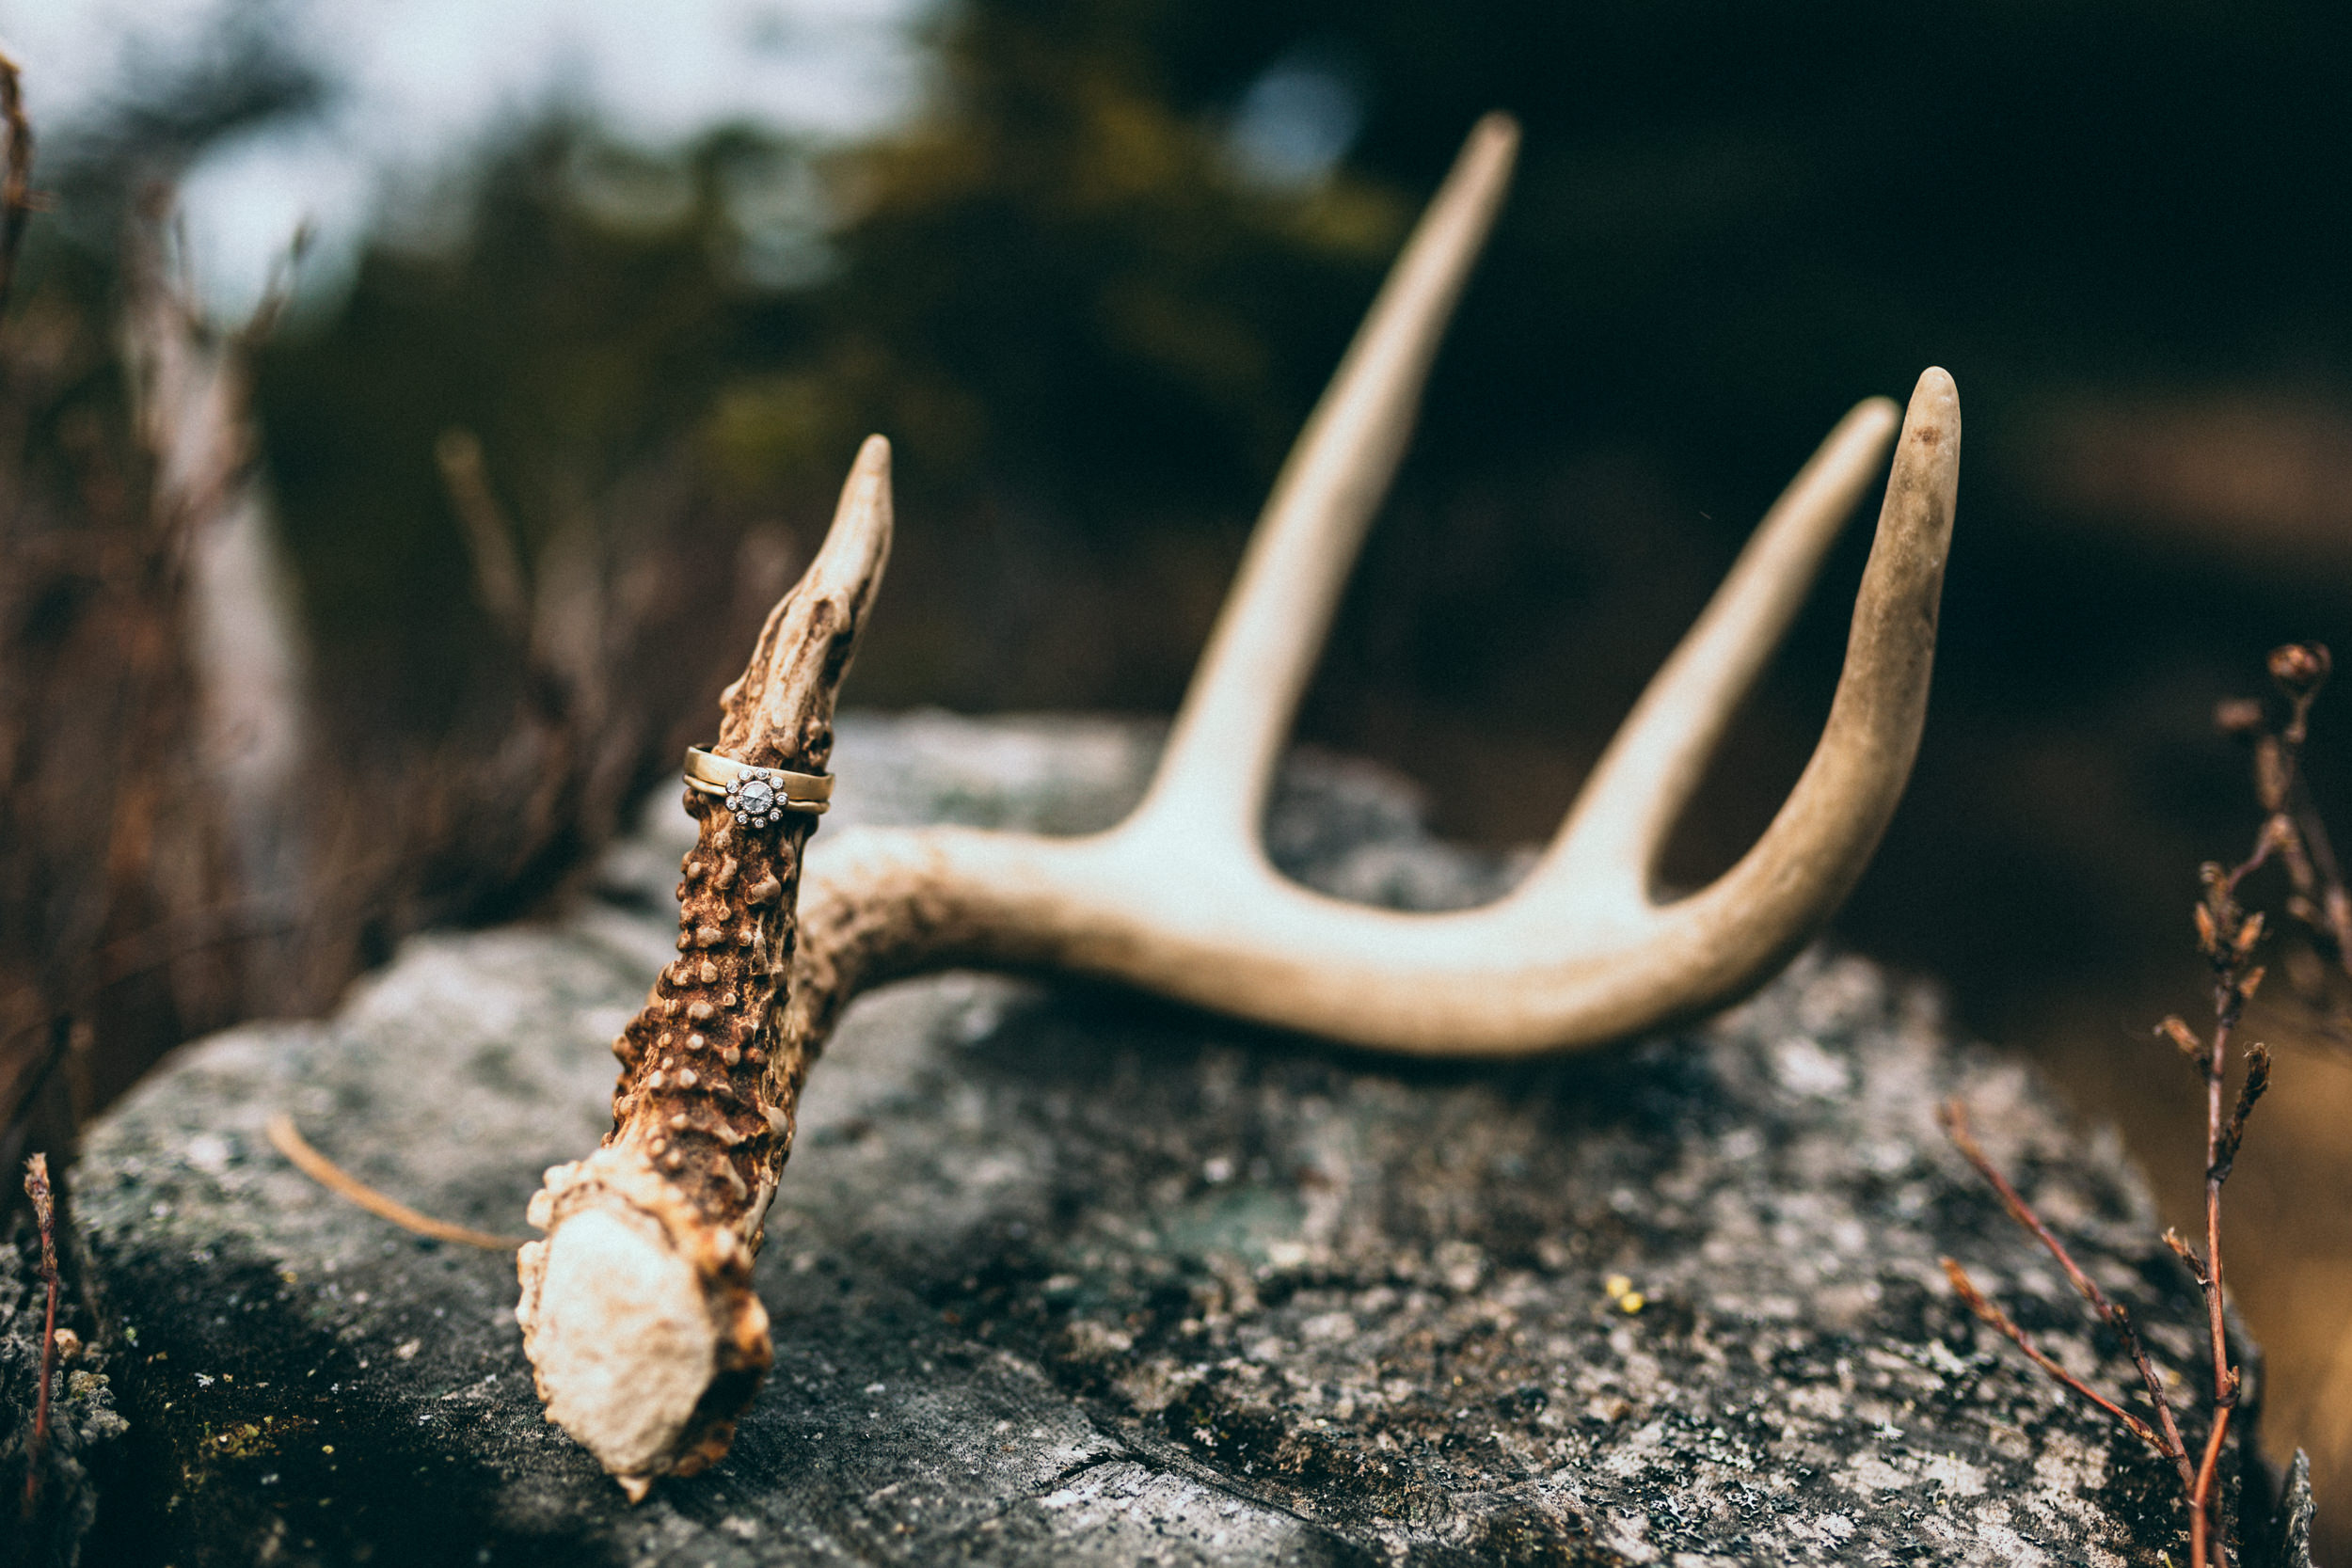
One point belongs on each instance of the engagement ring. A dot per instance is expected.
(758, 796)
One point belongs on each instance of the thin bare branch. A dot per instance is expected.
(2204, 1506)
(1984, 1308)
(45, 1217)
(1954, 1116)
(2250, 1091)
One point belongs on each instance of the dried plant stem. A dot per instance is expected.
(2227, 937)
(44, 1216)
(319, 1169)
(2169, 1443)
(2166, 1443)
(2222, 1390)
(2202, 1505)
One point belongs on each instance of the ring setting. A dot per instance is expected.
(757, 797)
(754, 800)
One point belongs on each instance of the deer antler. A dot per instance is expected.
(1180, 899)
(637, 1309)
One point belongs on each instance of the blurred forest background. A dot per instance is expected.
(531, 456)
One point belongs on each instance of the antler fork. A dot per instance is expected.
(637, 1308)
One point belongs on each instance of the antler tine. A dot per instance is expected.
(1749, 920)
(1608, 847)
(637, 1310)
(1228, 734)
(779, 711)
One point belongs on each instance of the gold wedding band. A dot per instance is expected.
(756, 795)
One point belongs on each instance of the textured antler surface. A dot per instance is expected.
(637, 1309)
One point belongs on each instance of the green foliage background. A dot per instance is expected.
(1092, 339)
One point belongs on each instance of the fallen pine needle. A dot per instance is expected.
(327, 1174)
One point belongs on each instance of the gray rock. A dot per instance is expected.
(1059, 1275)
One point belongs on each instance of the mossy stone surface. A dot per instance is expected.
(1059, 1275)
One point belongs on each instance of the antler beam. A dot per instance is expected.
(637, 1310)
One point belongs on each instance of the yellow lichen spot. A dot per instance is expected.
(1633, 1302)
(1616, 1284)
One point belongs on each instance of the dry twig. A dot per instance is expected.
(2227, 937)
(45, 1216)
(2166, 1442)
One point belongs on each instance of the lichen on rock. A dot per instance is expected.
(1059, 1275)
